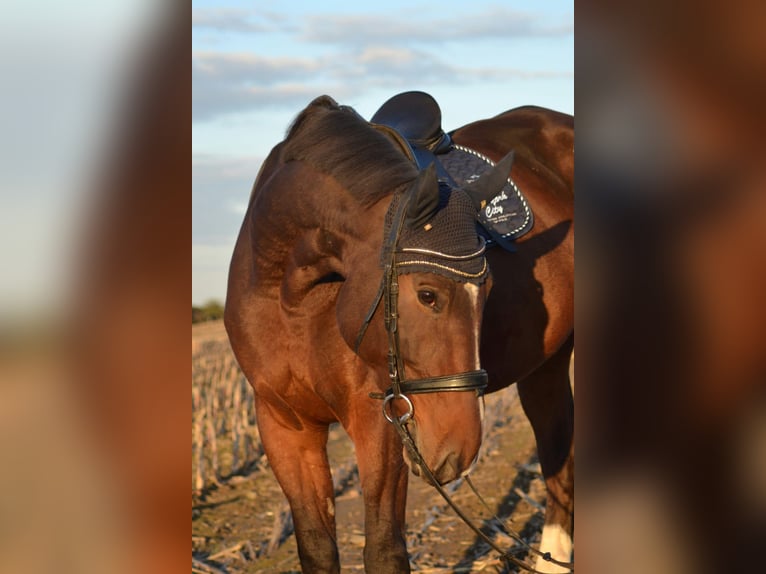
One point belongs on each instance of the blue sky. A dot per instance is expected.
(256, 65)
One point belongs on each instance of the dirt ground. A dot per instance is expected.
(243, 525)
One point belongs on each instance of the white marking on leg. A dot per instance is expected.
(330, 507)
(559, 543)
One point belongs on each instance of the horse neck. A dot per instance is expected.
(307, 229)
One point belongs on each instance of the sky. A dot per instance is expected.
(256, 65)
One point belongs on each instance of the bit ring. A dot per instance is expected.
(403, 418)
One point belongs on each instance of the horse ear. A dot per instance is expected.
(491, 183)
(425, 198)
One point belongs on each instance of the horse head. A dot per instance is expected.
(435, 281)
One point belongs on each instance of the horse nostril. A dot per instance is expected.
(448, 470)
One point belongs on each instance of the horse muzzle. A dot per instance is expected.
(443, 467)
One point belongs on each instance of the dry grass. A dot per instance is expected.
(225, 439)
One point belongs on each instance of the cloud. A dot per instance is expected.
(403, 67)
(230, 83)
(236, 82)
(216, 100)
(416, 26)
(245, 66)
(236, 20)
(346, 55)
(493, 23)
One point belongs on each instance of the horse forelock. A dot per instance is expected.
(339, 142)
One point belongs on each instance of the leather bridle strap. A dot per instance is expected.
(470, 381)
(391, 298)
(390, 246)
(370, 313)
(388, 292)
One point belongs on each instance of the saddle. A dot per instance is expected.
(415, 118)
(418, 118)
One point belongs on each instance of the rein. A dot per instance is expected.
(416, 458)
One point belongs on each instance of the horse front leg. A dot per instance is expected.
(298, 456)
(546, 396)
(383, 475)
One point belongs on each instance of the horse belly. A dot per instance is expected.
(528, 316)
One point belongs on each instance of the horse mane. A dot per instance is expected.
(339, 142)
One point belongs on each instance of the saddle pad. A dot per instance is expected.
(507, 216)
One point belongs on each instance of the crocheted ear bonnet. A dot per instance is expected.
(447, 243)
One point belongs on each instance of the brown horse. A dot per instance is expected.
(339, 218)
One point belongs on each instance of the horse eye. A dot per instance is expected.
(427, 298)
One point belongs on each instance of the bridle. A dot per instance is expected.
(388, 292)
(401, 387)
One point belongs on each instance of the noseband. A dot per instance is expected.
(389, 293)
